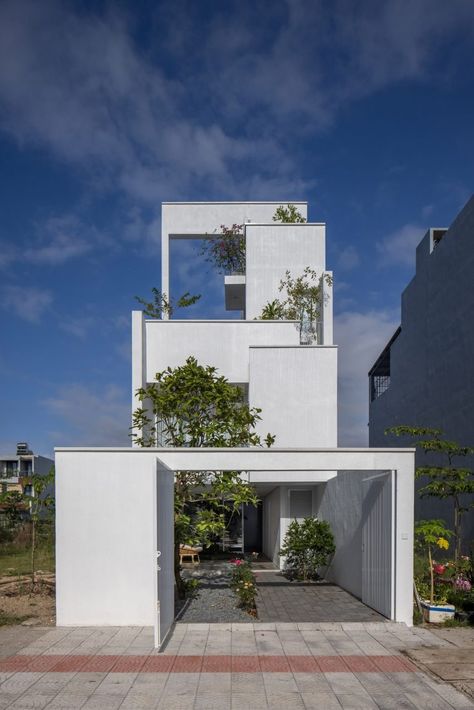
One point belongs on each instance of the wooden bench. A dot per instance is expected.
(188, 551)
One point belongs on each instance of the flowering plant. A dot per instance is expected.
(430, 533)
(226, 251)
(243, 583)
(462, 584)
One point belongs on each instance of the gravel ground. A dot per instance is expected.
(214, 602)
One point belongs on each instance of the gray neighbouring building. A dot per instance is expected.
(425, 374)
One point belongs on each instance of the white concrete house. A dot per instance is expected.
(365, 494)
(294, 385)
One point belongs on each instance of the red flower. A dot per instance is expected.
(439, 569)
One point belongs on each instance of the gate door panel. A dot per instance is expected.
(164, 553)
(378, 541)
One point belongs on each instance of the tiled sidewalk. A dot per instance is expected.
(223, 666)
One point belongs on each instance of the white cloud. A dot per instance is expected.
(26, 302)
(58, 240)
(360, 337)
(399, 248)
(79, 327)
(91, 417)
(61, 241)
(348, 258)
(78, 84)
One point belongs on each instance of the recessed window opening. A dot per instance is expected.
(379, 375)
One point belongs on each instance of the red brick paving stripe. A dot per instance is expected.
(332, 664)
(217, 664)
(360, 664)
(207, 664)
(187, 664)
(14, 663)
(99, 664)
(245, 664)
(158, 664)
(389, 664)
(303, 664)
(274, 664)
(65, 664)
(129, 664)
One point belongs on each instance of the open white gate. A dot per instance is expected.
(163, 559)
(378, 543)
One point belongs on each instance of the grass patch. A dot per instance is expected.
(11, 619)
(14, 562)
(455, 624)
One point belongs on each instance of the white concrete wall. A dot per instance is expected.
(105, 538)
(271, 525)
(190, 219)
(340, 503)
(296, 388)
(223, 344)
(271, 249)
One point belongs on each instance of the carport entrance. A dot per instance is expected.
(112, 520)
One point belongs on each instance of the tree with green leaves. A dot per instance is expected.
(303, 302)
(161, 305)
(37, 498)
(446, 480)
(289, 214)
(192, 405)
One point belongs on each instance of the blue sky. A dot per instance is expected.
(365, 109)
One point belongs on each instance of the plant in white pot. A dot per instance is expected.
(431, 534)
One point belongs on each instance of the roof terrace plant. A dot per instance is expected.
(226, 250)
(303, 302)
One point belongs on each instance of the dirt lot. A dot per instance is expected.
(20, 604)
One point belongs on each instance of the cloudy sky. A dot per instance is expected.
(365, 109)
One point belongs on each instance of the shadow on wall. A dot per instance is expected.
(341, 501)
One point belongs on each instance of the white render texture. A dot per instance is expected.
(431, 361)
(105, 537)
(296, 387)
(222, 344)
(271, 250)
(191, 219)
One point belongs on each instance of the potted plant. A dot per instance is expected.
(430, 534)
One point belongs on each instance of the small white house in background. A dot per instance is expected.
(107, 564)
(17, 468)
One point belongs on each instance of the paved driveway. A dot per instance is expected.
(279, 600)
(223, 666)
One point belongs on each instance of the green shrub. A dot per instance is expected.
(307, 547)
